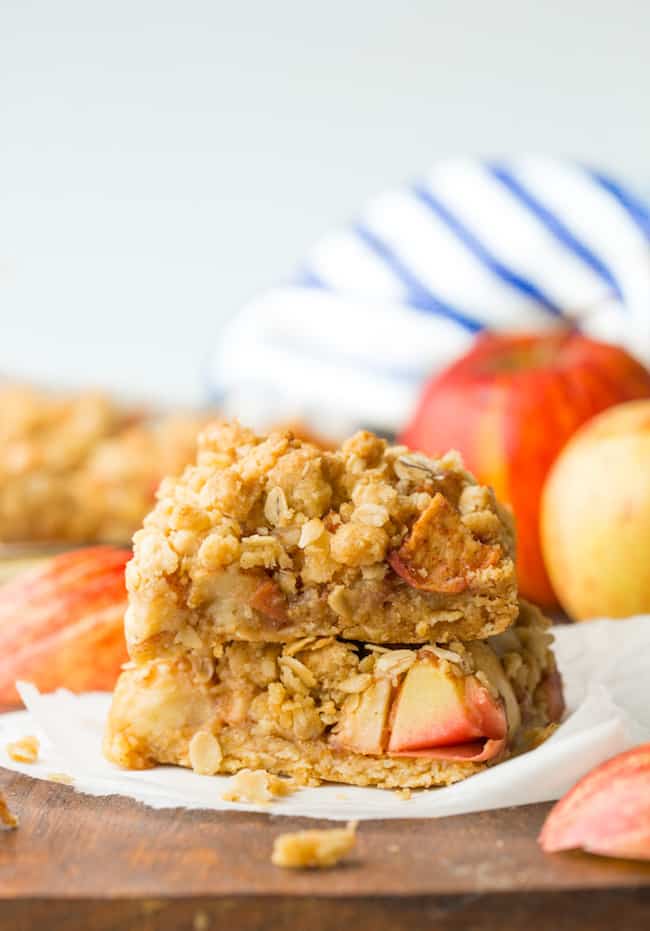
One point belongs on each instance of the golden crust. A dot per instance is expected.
(271, 539)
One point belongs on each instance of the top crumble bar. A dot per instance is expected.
(271, 539)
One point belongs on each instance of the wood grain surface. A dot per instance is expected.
(97, 864)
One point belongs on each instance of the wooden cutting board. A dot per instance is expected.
(78, 863)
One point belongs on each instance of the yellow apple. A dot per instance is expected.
(596, 516)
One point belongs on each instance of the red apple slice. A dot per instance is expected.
(61, 624)
(607, 812)
(477, 751)
(436, 709)
(363, 730)
(441, 554)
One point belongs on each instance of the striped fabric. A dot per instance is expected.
(377, 306)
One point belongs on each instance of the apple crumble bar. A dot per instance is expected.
(324, 708)
(81, 467)
(273, 539)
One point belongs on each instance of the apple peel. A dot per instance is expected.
(607, 812)
(475, 751)
(441, 554)
(61, 624)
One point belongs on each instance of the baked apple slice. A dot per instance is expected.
(435, 709)
(441, 554)
(61, 624)
(364, 728)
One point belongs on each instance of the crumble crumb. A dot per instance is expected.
(316, 848)
(63, 778)
(7, 819)
(24, 750)
(404, 794)
(257, 787)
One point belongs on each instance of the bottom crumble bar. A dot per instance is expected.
(328, 709)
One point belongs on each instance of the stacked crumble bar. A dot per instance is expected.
(347, 615)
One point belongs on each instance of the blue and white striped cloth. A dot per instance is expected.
(378, 306)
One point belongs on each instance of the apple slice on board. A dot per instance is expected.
(607, 812)
(61, 624)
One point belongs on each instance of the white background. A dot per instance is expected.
(160, 162)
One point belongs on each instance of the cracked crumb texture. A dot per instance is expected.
(82, 467)
(319, 849)
(257, 787)
(24, 750)
(272, 539)
(8, 820)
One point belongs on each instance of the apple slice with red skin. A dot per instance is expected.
(607, 812)
(441, 554)
(477, 751)
(435, 709)
(61, 623)
(364, 729)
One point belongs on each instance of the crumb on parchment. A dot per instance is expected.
(24, 750)
(315, 848)
(63, 778)
(7, 819)
(257, 787)
(403, 794)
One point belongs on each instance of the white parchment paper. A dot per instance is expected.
(606, 670)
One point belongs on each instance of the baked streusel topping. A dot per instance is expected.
(81, 467)
(272, 539)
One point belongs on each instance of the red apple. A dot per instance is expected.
(61, 624)
(509, 406)
(437, 709)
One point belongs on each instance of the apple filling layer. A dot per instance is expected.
(329, 709)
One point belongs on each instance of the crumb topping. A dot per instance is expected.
(258, 787)
(318, 849)
(24, 750)
(270, 538)
(8, 820)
